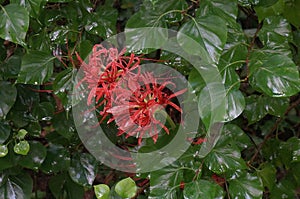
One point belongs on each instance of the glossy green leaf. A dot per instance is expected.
(22, 147)
(32, 6)
(4, 131)
(35, 157)
(63, 86)
(57, 159)
(102, 22)
(245, 185)
(14, 23)
(224, 157)
(83, 169)
(259, 106)
(36, 68)
(61, 186)
(102, 191)
(276, 35)
(275, 75)
(64, 125)
(209, 32)
(126, 188)
(226, 10)
(3, 150)
(202, 189)
(138, 36)
(164, 183)
(235, 50)
(44, 111)
(235, 104)
(233, 133)
(19, 186)
(8, 93)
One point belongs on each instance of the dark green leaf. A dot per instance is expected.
(62, 186)
(259, 106)
(35, 157)
(276, 35)
(11, 67)
(8, 93)
(275, 75)
(268, 175)
(245, 185)
(14, 22)
(275, 9)
(63, 125)
(224, 157)
(235, 134)
(291, 12)
(202, 189)
(83, 169)
(32, 6)
(126, 188)
(235, 104)
(209, 32)
(4, 131)
(226, 10)
(266, 3)
(17, 187)
(36, 68)
(22, 148)
(44, 111)
(102, 22)
(102, 191)
(57, 159)
(284, 189)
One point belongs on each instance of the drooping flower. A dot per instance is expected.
(139, 103)
(104, 67)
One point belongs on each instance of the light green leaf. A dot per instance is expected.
(36, 68)
(3, 150)
(102, 191)
(22, 147)
(14, 23)
(126, 188)
(21, 134)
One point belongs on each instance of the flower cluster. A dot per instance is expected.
(136, 101)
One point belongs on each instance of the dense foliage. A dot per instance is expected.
(255, 44)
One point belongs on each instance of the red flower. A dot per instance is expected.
(102, 71)
(138, 101)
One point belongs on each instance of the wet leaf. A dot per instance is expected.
(8, 93)
(102, 191)
(202, 189)
(14, 23)
(22, 147)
